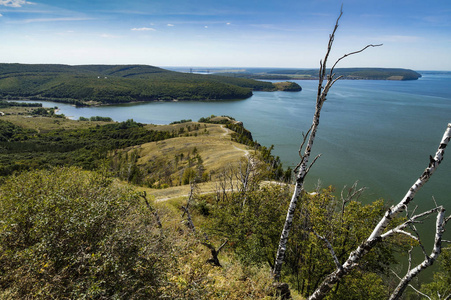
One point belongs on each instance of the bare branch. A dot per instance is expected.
(417, 291)
(408, 234)
(302, 169)
(435, 202)
(353, 193)
(410, 260)
(352, 53)
(447, 219)
(223, 244)
(189, 220)
(429, 260)
(304, 139)
(153, 210)
(410, 221)
(214, 253)
(376, 236)
(331, 249)
(414, 229)
(313, 162)
(433, 165)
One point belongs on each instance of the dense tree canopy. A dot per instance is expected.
(118, 84)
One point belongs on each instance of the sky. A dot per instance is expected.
(415, 34)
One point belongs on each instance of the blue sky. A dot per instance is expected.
(228, 33)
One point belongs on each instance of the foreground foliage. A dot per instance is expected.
(250, 222)
(66, 233)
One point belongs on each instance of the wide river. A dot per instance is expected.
(380, 133)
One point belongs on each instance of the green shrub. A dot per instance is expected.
(68, 234)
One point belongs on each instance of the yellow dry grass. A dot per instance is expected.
(44, 124)
(213, 143)
(216, 149)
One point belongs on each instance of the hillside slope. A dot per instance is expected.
(102, 84)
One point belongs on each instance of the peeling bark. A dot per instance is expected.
(377, 234)
(428, 260)
(303, 168)
(434, 162)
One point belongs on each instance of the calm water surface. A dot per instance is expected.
(378, 132)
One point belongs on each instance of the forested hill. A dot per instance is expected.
(347, 73)
(96, 84)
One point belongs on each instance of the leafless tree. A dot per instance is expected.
(153, 210)
(428, 259)
(380, 231)
(205, 241)
(303, 168)
(185, 208)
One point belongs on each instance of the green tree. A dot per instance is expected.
(250, 222)
(67, 233)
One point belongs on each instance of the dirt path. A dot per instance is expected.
(227, 131)
(246, 152)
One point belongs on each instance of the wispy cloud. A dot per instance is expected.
(14, 3)
(1, 15)
(143, 29)
(53, 20)
(171, 25)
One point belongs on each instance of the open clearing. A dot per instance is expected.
(213, 143)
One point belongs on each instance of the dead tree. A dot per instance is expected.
(191, 195)
(428, 259)
(379, 233)
(153, 210)
(214, 260)
(303, 167)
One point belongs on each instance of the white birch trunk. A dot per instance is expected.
(376, 235)
(429, 260)
(300, 177)
(303, 168)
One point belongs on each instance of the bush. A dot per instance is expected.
(67, 233)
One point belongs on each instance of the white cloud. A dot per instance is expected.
(1, 15)
(14, 3)
(228, 23)
(171, 25)
(205, 26)
(143, 29)
(53, 20)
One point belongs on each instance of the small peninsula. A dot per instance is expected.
(312, 74)
(113, 84)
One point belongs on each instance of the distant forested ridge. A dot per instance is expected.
(102, 84)
(347, 73)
